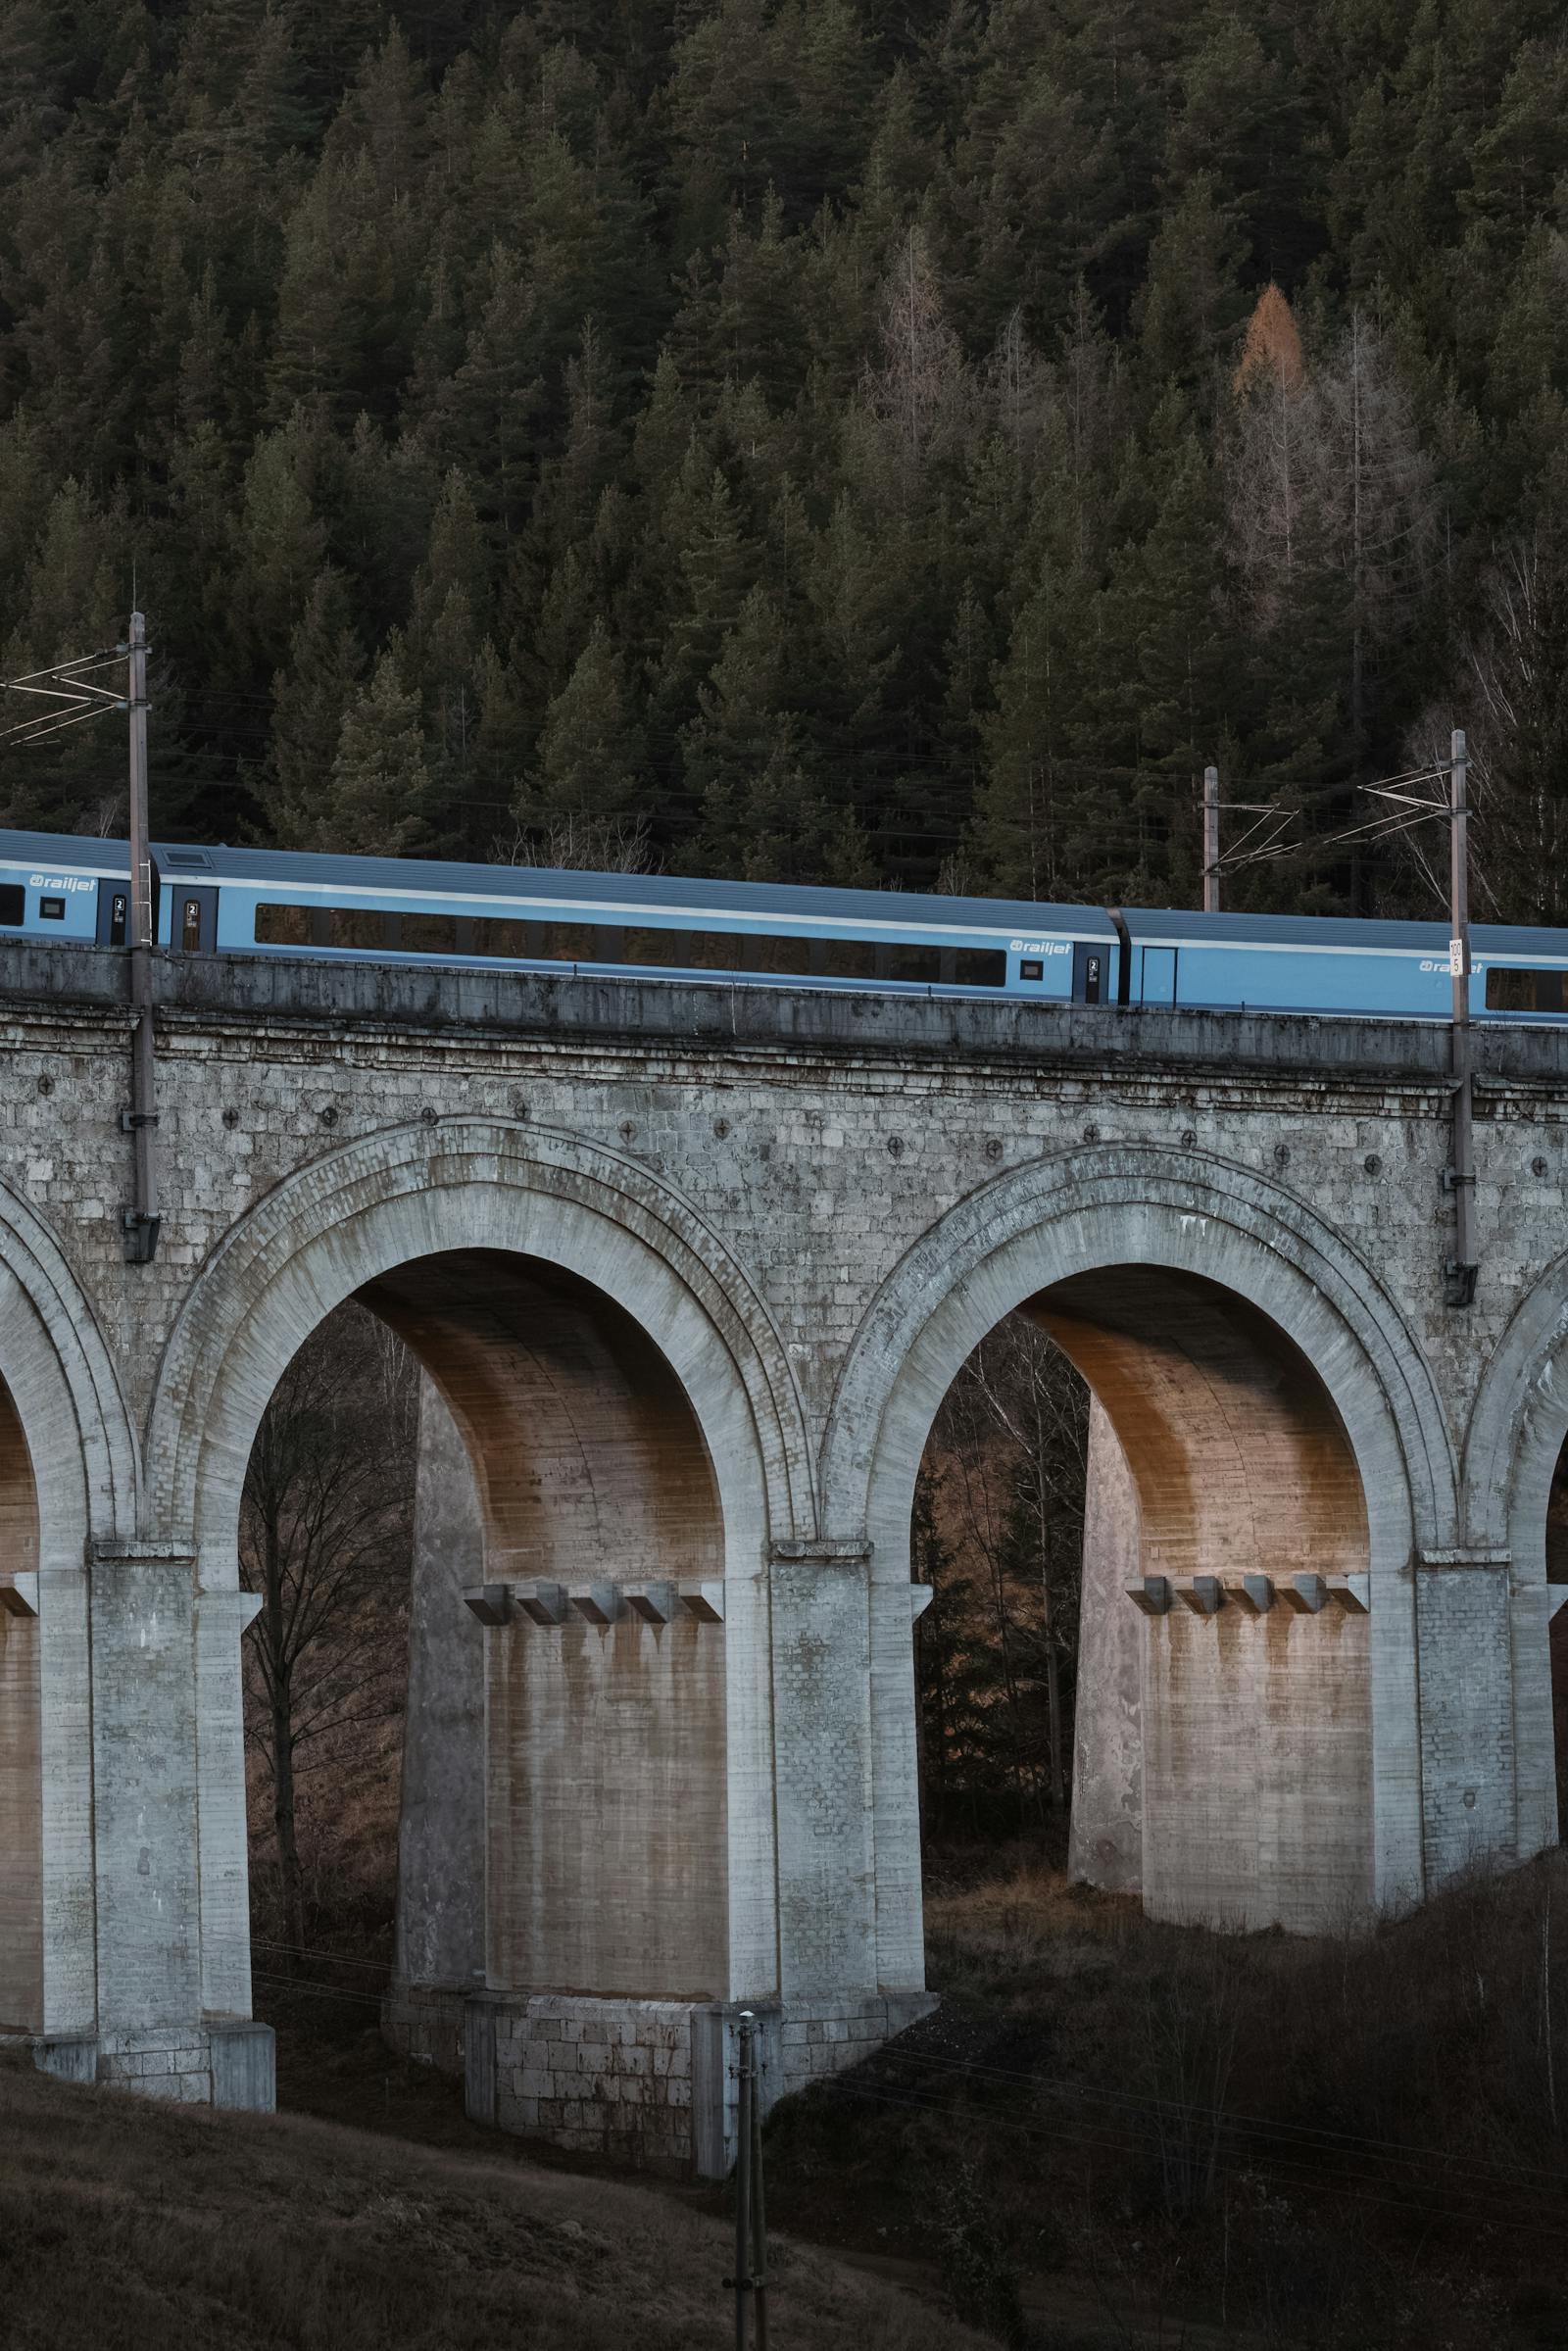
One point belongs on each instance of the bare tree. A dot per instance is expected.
(1009, 1453)
(325, 1534)
(579, 841)
(1513, 702)
(1327, 469)
(1376, 495)
(922, 390)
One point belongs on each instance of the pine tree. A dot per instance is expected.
(376, 800)
(312, 698)
(592, 748)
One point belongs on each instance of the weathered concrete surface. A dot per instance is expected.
(1106, 1845)
(692, 1268)
(1258, 1750)
(440, 1916)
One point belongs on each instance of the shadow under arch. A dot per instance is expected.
(1515, 1440)
(1066, 1221)
(69, 1479)
(516, 1262)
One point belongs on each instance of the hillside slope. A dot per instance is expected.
(124, 2223)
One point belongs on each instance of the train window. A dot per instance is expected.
(282, 926)
(191, 925)
(52, 910)
(13, 907)
(367, 930)
(572, 943)
(980, 967)
(429, 935)
(1031, 971)
(119, 917)
(500, 937)
(719, 951)
(915, 967)
(848, 959)
(1510, 990)
(363, 929)
(670, 950)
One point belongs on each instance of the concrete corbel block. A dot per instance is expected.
(654, 1604)
(20, 1596)
(1205, 1596)
(595, 1603)
(491, 1603)
(922, 1596)
(1305, 1595)
(543, 1604)
(1353, 1594)
(705, 1601)
(1252, 1592)
(1556, 1598)
(1151, 1595)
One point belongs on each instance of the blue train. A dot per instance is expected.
(392, 909)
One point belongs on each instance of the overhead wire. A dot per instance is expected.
(1133, 2103)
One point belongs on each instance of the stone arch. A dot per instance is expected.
(1060, 1221)
(413, 1191)
(1518, 1430)
(52, 1357)
(68, 1477)
(619, 1264)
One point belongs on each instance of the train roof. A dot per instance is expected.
(677, 894)
(1180, 926)
(658, 892)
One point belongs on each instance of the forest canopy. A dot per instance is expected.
(804, 441)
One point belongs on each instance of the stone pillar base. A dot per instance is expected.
(226, 2061)
(648, 2084)
(827, 2033)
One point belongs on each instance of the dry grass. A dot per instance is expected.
(1360, 2142)
(124, 2224)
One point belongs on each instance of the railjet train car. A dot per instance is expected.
(393, 910)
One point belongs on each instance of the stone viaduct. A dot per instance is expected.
(689, 1271)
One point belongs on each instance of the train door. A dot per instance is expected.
(1159, 975)
(113, 914)
(193, 928)
(1087, 973)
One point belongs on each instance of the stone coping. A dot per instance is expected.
(737, 1015)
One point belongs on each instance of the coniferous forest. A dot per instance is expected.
(804, 441)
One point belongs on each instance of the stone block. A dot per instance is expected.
(69, 2056)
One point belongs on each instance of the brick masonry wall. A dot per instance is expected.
(158, 2066)
(606, 2078)
(1467, 1746)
